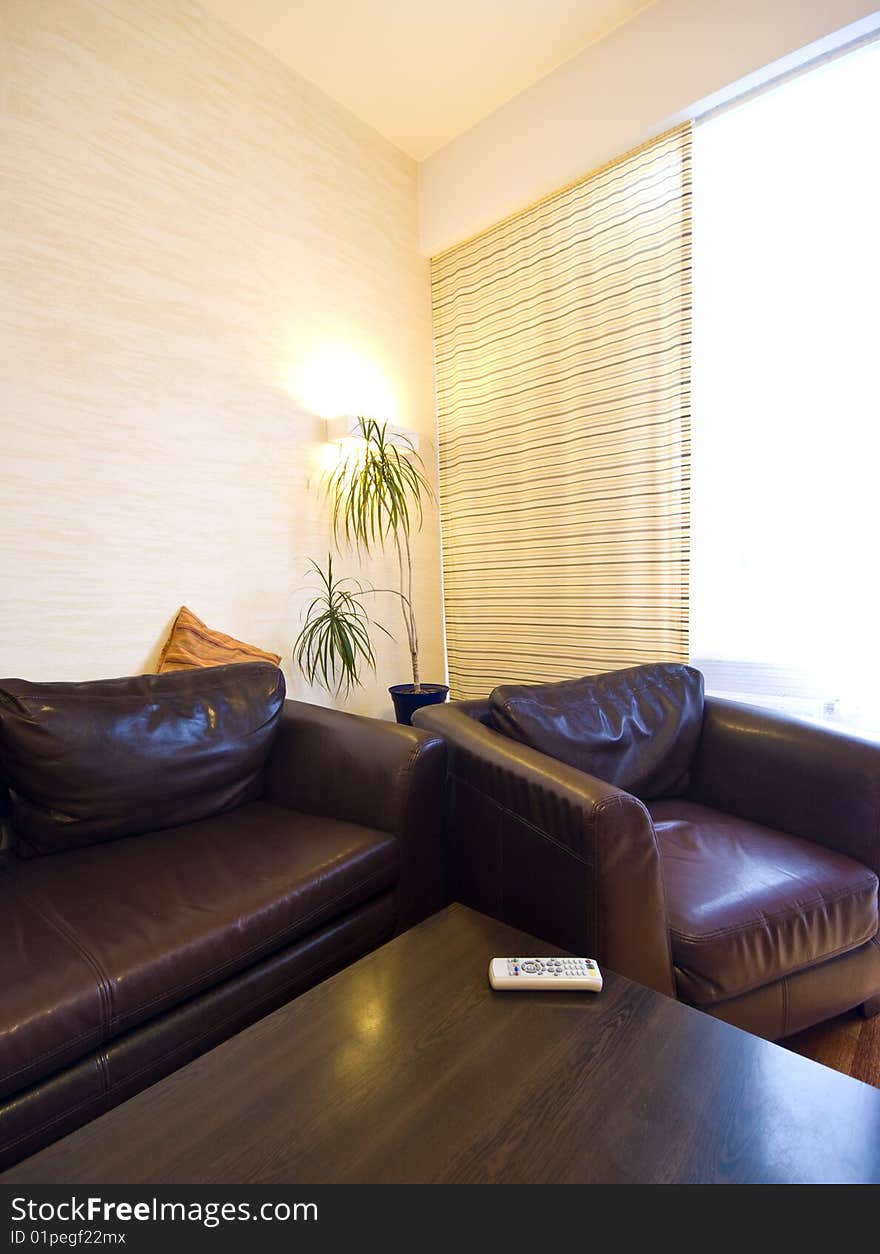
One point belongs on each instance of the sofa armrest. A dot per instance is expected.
(809, 781)
(377, 774)
(547, 848)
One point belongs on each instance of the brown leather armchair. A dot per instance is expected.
(750, 893)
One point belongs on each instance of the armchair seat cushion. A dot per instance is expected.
(748, 905)
(105, 938)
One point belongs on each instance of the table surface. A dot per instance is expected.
(408, 1067)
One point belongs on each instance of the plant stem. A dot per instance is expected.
(406, 608)
(413, 632)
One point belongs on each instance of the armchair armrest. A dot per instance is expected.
(377, 774)
(547, 848)
(809, 781)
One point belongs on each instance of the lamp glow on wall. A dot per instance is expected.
(352, 397)
(335, 378)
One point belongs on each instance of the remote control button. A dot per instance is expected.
(532, 966)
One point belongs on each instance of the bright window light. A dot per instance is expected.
(785, 586)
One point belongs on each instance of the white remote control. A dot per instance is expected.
(580, 974)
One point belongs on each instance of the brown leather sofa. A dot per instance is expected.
(190, 852)
(743, 880)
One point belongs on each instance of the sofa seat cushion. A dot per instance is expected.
(748, 905)
(95, 941)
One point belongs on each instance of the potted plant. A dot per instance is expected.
(335, 639)
(376, 496)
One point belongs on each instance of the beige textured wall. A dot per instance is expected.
(200, 255)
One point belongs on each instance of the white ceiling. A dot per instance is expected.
(422, 71)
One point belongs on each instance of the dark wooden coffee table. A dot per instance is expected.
(408, 1067)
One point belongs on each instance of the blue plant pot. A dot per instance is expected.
(406, 702)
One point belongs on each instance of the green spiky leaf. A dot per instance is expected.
(334, 643)
(377, 491)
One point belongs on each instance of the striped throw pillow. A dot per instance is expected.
(192, 644)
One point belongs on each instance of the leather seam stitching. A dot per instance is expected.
(403, 785)
(805, 966)
(58, 1049)
(97, 1031)
(599, 933)
(105, 990)
(539, 831)
(134, 1075)
(71, 1110)
(227, 1018)
(245, 954)
(104, 1065)
(619, 803)
(74, 1040)
(697, 937)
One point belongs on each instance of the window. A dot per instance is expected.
(785, 607)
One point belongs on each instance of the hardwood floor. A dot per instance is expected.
(849, 1044)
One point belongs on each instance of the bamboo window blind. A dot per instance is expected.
(562, 350)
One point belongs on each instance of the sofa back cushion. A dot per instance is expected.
(90, 762)
(636, 729)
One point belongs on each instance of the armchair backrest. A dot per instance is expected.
(636, 728)
(480, 711)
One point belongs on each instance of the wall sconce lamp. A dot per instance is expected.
(339, 430)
